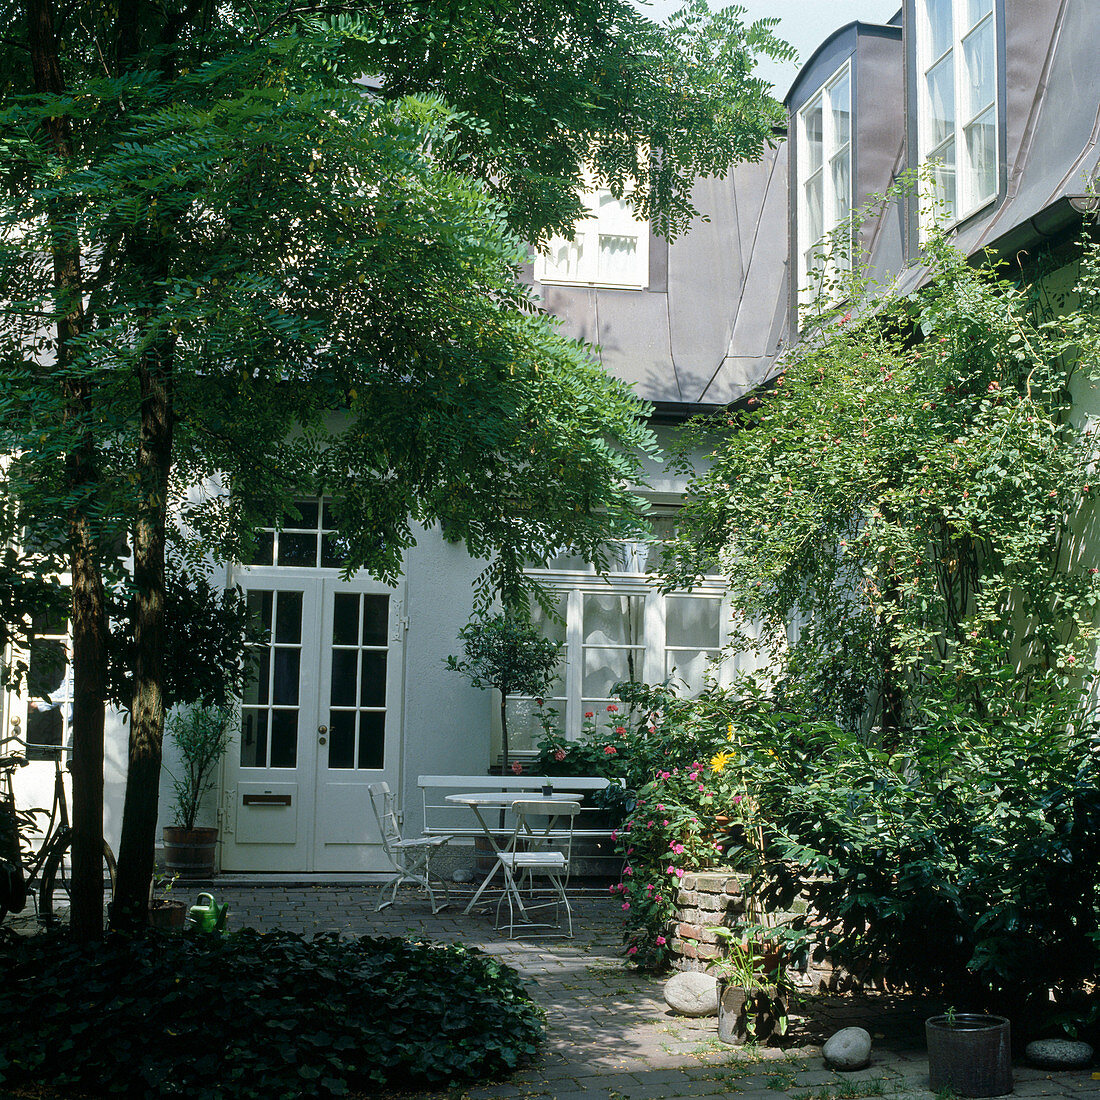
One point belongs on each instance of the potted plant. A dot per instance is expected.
(509, 654)
(165, 912)
(201, 735)
(752, 991)
(969, 1053)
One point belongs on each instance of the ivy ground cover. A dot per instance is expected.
(255, 1015)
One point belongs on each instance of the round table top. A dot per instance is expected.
(506, 798)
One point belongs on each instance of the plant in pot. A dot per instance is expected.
(509, 654)
(969, 1053)
(202, 736)
(752, 991)
(164, 911)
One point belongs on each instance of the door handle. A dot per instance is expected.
(322, 739)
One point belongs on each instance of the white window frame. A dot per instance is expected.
(812, 273)
(606, 216)
(968, 197)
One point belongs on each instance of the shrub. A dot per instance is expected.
(253, 1015)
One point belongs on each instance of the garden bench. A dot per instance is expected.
(446, 818)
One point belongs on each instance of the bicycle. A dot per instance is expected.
(45, 871)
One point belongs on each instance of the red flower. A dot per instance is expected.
(610, 750)
(559, 755)
(611, 708)
(589, 714)
(621, 730)
(517, 768)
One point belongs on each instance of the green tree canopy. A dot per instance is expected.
(227, 265)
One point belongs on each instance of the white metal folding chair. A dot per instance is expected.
(538, 846)
(410, 859)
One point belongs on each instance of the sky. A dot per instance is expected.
(803, 23)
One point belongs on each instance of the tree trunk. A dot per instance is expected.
(139, 815)
(89, 623)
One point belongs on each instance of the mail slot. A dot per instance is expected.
(266, 799)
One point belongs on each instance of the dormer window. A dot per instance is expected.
(824, 158)
(610, 248)
(957, 129)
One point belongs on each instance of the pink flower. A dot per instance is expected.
(612, 709)
(660, 807)
(612, 889)
(610, 750)
(632, 951)
(628, 870)
(650, 824)
(626, 905)
(517, 768)
(693, 775)
(614, 834)
(559, 755)
(665, 822)
(677, 848)
(630, 851)
(679, 872)
(671, 869)
(660, 941)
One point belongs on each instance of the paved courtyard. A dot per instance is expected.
(609, 1033)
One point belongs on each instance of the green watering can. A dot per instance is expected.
(207, 915)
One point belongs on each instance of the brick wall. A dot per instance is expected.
(705, 899)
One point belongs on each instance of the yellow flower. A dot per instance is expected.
(718, 762)
(729, 732)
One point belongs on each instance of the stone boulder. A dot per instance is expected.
(849, 1048)
(1058, 1054)
(692, 994)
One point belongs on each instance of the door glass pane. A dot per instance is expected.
(981, 149)
(376, 614)
(979, 54)
(341, 739)
(307, 509)
(297, 549)
(259, 607)
(372, 691)
(372, 739)
(613, 619)
(264, 553)
(259, 684)
(284, 686)
(940, 84)
(253, 738)
(345, 670)
(288, 618)
(345, 619)
(332, 551)
(693, 621)
(284, 738)
(938, 14)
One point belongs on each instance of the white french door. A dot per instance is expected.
(320, 720)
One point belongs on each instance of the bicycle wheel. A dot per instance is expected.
(55, 885)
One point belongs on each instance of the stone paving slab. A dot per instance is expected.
(609, 1034)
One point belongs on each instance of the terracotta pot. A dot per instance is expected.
(165, 913)
(189, 853)
(970, 1055)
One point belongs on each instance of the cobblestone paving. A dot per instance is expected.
(609, 1033)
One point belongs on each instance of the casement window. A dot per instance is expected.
(621, 628)
(610, 248)
(49, 689)
(957, 109)
(824, 159)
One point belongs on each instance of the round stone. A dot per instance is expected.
(849, 1048)
(692, 994)
(463, 874)
(1058, 1054)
